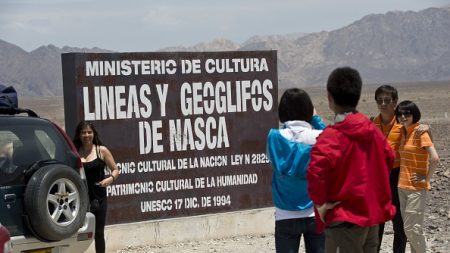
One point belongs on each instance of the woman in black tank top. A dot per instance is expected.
(96, 158)
(95, 172)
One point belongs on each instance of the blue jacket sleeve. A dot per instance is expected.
(317, 123)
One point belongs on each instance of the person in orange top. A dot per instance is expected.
(418, 161)
(386, 97)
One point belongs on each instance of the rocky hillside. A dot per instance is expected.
(391, 47)
(35, 73)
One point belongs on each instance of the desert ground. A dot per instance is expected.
(433, 98)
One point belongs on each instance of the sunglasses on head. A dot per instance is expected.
(404, 113)
(385, 101)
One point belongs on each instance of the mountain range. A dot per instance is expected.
(392, 47)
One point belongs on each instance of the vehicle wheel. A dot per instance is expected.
(55, 202)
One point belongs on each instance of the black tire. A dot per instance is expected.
(55, 202)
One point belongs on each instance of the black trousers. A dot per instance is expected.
(100, 220)
(399, 244)
(288, 234)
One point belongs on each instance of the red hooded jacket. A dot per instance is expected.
(350, 162)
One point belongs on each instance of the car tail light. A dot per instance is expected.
(74, 150)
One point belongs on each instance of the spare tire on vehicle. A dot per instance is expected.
(55, 202)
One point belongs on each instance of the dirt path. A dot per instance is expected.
(254, 244)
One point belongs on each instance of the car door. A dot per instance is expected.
(11, 185)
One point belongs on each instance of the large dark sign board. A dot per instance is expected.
(187, 129)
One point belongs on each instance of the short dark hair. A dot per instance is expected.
(408, 106)
(295, 104)
(386, 89)
(76, 139)
(344, 85)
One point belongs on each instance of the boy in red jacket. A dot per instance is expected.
(348, 176)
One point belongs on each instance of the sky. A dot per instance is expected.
(149, 25)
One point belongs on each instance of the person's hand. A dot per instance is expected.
(417, 178)
(422, 128)
(105, 182)
(323, 209)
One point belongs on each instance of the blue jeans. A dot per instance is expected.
(289, 232)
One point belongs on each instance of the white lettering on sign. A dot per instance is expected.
(174, 185)
(243, 65)
(232, 180)
(161, 205)
(180, 184)
(133, 67)
(137, 188)
(224, 97)
(150, 137)
(130, 189)
(156, 205)
(198, 135)
(120, 102)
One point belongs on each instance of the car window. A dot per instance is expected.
(7, 138)
(47, 143)
(22, 145)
